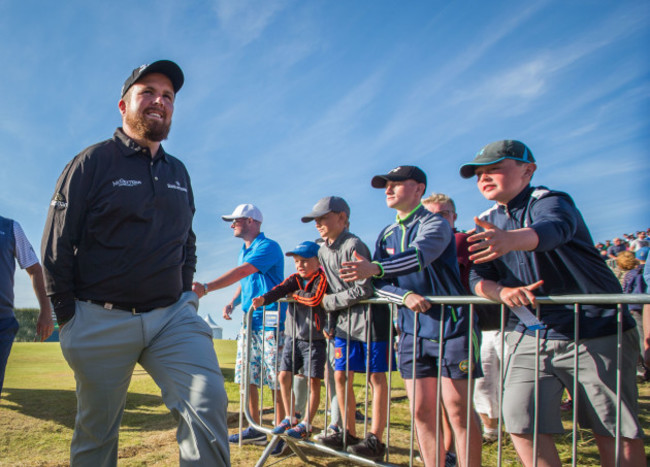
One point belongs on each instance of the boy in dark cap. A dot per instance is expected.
(416, 257)
(535, 241)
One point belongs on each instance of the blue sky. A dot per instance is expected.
(288, 101)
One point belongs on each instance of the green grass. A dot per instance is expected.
(38, 404)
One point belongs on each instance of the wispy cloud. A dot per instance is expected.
(244, 21)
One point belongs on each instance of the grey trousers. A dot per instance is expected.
(175, 346)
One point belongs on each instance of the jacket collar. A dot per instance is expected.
(129, 147)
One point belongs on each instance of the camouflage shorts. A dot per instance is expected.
(260, 355)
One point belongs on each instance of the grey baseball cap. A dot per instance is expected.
(496, 152)
(325, 205)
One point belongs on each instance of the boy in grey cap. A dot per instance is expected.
(331, 215)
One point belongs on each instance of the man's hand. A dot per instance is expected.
(198, 289)
(44, 325)
(258, 302)
(519, 296)
(358, 270)
(227, 311)
(417, 303)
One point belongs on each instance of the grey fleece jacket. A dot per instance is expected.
(343, 295)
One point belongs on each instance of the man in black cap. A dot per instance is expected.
(119, 258)
(534, 241)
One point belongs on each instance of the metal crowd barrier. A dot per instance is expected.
(576, 300)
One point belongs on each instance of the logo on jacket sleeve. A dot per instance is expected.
(59, 202)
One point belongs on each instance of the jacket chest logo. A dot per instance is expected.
(177, 186)
(126, 183)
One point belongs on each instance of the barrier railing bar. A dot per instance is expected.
(576, 396)
(536, 394)
(391, 352)
(260, 392)
(470, 386)
(619, 362)
(601, 299)
(439, 414)
(369, 313)
(502, 367)
(328, 389)
(413, 414)
(347, 377)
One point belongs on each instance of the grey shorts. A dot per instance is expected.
(596, 384)
(302, 357)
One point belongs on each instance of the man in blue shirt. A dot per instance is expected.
(260, 268)
(535, 241)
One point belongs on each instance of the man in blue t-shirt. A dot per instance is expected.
(534, 241)
(260, 268)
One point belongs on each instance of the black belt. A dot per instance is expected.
(136, 310)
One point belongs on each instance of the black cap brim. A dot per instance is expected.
(379, 181)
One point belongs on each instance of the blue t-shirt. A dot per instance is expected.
(266, 255)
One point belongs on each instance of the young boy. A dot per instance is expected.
(303, 326)
(331, 215)
(534, 241)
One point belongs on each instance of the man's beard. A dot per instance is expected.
(150, 130)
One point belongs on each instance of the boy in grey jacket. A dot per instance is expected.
(352, 345)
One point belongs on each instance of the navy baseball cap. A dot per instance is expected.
(166, 67)
(325, 205)
(305, 249)
(399, 174)
(496, 152)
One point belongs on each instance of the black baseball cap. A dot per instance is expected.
(496, 152)
(399, 174)
(166, 67)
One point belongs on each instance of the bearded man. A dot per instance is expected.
(119, 260)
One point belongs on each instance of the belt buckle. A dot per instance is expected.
(134, 312)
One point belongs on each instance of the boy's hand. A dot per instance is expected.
(417, 303)
(258, 302)
(493, 243)
(358, 270)
(519, 296)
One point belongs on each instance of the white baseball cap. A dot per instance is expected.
(244, 211)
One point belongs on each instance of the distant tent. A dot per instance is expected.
(217, 331)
